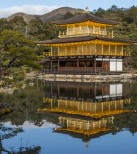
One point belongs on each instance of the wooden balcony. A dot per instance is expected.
(85, 33)
(87, 53)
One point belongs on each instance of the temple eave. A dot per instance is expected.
(83, 43)
(88, 133)
(93, 115)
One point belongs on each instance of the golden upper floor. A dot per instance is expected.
(86, 24)
(84, 30)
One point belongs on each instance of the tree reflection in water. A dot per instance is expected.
(9, 132)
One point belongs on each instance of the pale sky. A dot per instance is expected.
(8, 7)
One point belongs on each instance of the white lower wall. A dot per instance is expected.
(116, 90)
(113, 66)
(116, 65)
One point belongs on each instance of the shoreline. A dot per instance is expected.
(82, 78)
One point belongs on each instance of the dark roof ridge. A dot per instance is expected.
(81, 39)
(114, 39)
(85, 17)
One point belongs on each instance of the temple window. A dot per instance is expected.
(68, 64)
(62, 64)
(98, 63)
(102, 31)
(86, 63)
(96, 30)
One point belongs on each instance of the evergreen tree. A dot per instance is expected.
(16, 51)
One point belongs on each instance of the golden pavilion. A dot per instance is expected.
(86, 47)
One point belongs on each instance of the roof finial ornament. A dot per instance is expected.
(86, 9)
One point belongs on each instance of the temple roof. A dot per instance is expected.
(85, 138)
(82, 39)
(85, 17)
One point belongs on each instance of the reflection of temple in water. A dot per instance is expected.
(84, 126)
(85, 110)
(93, 100)
(85, 129)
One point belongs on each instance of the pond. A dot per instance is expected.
(70, 118)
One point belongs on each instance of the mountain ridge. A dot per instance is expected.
(56, 14)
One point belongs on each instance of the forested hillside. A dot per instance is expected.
(127, 29)
(35, 29)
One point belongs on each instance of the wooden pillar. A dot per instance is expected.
(95, 65)
(95, 107)
(66, 51)
(116, 64)
(67, 30)
(93, 29)
(86, 50)
(82, 105)
(105, 124)
(109, 49)
(93, 125)
(74, 124)
(109, 64)
(115, 105)
(51, 88)
(122, 51)
(99, 124)
(87, 28)
(80, 30)
(121, 104)
(67, 123)
(60, 121)
(73, 29)
(82, 50)
(116, 50)
(51, 51)
(51, 103)
(95, 49)
(86, 106)
(79, 125)
(77, 62)
(58, 104)
(78, 105)
(71, 51)
(95, 86)
(99, 30)
(102, 68)
(102, 52)
(102, 107)
(58, 91)
(58, 51)
(66, 104)
(87, 125)
(105, 31)
(77, 92)
(95, 58)
(58, 63)
(112, 34)
(51, 64)
(109, 106)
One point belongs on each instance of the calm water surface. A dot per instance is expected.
(76, 118)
